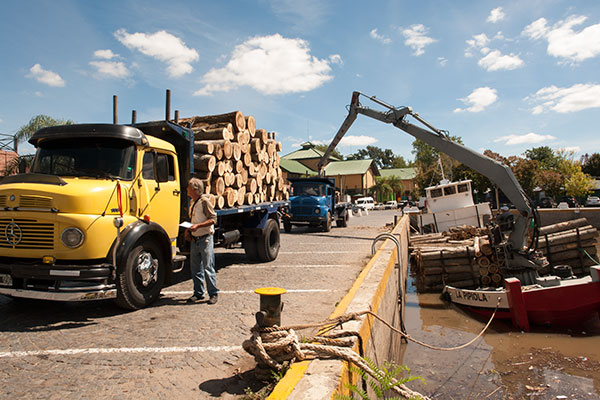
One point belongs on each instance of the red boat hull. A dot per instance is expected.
(569, 303)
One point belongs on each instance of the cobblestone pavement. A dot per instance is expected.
(53, 350)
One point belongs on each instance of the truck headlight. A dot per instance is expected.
(317, 211)
(72, 237)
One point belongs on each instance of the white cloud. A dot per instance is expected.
(443, 61)
(111, 69)
(381, 38)
(492, 60)
(271, 65)
(563, 100)
(563, 41)
(417, 39)
(361, 140)
(479, 99)
(528, 138)
(45, 76)
(336, 59)
(105, 54)
(162, 46)
(495, 61)
(496, 15)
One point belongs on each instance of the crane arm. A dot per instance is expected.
(498, 173)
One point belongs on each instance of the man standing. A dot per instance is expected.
(200, 234)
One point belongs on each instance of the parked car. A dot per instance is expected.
(570, 200)
(592, 201)
(366, 203)
(391, 205)
(546, 202)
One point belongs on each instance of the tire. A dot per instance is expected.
(140, 280)
(327, 223)
(268, 243)
(287, 226)
(250, 248)
(342, 223)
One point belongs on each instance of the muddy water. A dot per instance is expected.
(504, 363)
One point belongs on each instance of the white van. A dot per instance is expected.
(366, 203)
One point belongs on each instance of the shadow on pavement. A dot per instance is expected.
(26, 315)
(239, 384)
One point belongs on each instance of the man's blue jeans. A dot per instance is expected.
(202, 265)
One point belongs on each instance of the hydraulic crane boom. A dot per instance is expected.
(498, 173)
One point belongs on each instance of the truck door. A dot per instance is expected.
(160, 191)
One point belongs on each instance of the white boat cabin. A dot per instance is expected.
(449, 196)
(451, 204)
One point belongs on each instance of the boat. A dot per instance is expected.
(552, 301)
(451, 204)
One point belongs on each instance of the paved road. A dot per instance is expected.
(51, 350)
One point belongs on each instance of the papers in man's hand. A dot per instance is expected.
(185, 224)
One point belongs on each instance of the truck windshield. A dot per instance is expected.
(86, 157)
(307, 189)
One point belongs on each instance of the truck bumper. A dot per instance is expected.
(58, 282)
(310, 220)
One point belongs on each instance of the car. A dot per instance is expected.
(546, 202)
(365, 203)
(391, 205)
(592, 201)
(570, 200)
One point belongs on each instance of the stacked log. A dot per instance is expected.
(238, 163)
(572, 243)
(462, 257)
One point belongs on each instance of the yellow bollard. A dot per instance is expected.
(270, 306)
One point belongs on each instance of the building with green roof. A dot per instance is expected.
(308, 155)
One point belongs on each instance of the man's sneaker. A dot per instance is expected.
(213, 299)
(194, 299)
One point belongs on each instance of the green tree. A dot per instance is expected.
(551, 182)
(590, 164)
(383, 158)
(38, 122)
(381, 189)
(427, 162)
(545, 156)
(579, 184)
(396, 185)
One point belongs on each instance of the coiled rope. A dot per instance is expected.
(274, 347)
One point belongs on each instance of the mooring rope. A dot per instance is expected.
(273, 346)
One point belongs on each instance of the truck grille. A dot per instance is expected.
(304, 210)
(28, 201)
(3, 201)
(26, 234)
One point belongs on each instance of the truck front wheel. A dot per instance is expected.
(268, 243)
(141, 278)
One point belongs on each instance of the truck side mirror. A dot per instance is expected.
(162, 168)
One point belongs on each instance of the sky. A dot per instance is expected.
(502, 75)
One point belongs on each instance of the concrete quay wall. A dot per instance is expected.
(376, 289)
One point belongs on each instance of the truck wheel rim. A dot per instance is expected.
(147, 267)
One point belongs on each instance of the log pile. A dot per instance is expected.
(463, 258)
(572, 243)
(238, 163)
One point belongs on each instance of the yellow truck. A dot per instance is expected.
(98, 215)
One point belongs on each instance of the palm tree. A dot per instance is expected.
(396, 185)
(38, 122)
(380, 188)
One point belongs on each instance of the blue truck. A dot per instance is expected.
(313, 202)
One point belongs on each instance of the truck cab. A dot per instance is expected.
(313, 202)
(61, 223)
